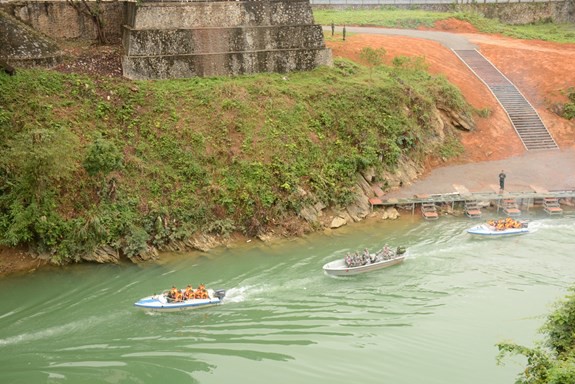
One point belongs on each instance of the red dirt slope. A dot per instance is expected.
(542, 71)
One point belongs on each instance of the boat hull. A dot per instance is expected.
(486, 230)
(340, 268)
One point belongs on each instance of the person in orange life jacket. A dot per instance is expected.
(189, 293)
(201, 292)
(173, 292)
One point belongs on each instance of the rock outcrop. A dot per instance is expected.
(105, 254)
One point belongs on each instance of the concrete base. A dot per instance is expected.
(222, 64)
(181, 40)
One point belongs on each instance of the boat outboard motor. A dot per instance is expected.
(400, 250)
(220, 293)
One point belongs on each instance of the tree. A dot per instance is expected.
(372, 58)
(83, 8)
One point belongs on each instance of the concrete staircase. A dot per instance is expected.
(523, 116)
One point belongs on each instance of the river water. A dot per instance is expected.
(433, 319)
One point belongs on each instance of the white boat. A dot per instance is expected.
(492, 228)
(163, 303)
(347, 267)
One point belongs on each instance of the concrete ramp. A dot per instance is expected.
(523, 116)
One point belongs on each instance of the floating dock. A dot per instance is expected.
(506, 202)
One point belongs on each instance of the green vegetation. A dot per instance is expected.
(372, 58)
(483, 112)
(379, 17)
(399, 18)
(553, 360)
(87, 162)
(547, 31)
(569, 107)
(452, 147)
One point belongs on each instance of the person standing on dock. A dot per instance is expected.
(502, 181)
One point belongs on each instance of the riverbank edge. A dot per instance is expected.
(16, 261)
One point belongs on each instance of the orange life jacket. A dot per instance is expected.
(189, 293)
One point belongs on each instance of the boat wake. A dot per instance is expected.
(553, 224)
(237, 295)
(58, 331)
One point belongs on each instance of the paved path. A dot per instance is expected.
(450, 40)
(552, 170)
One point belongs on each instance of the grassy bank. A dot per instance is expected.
(413, 19)
(92, 162)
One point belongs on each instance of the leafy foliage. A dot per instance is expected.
(372, 58)
(569, 108)
(103, 157)
(552, 362)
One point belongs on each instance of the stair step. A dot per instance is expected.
(527, 123)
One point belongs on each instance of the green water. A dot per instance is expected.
(433, 319)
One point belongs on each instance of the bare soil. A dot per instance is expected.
(542, 71)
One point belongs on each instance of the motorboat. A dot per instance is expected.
(354, 264)
(163, 302)
(501, 227)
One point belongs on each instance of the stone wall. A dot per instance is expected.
(525, 13)
(218, 14)
(205, 40)
(178, 39)
(21, 45)
(223, 64)
(60, 21)
(177, 30)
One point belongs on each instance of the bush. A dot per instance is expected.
(569, 108)
(103, 157)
